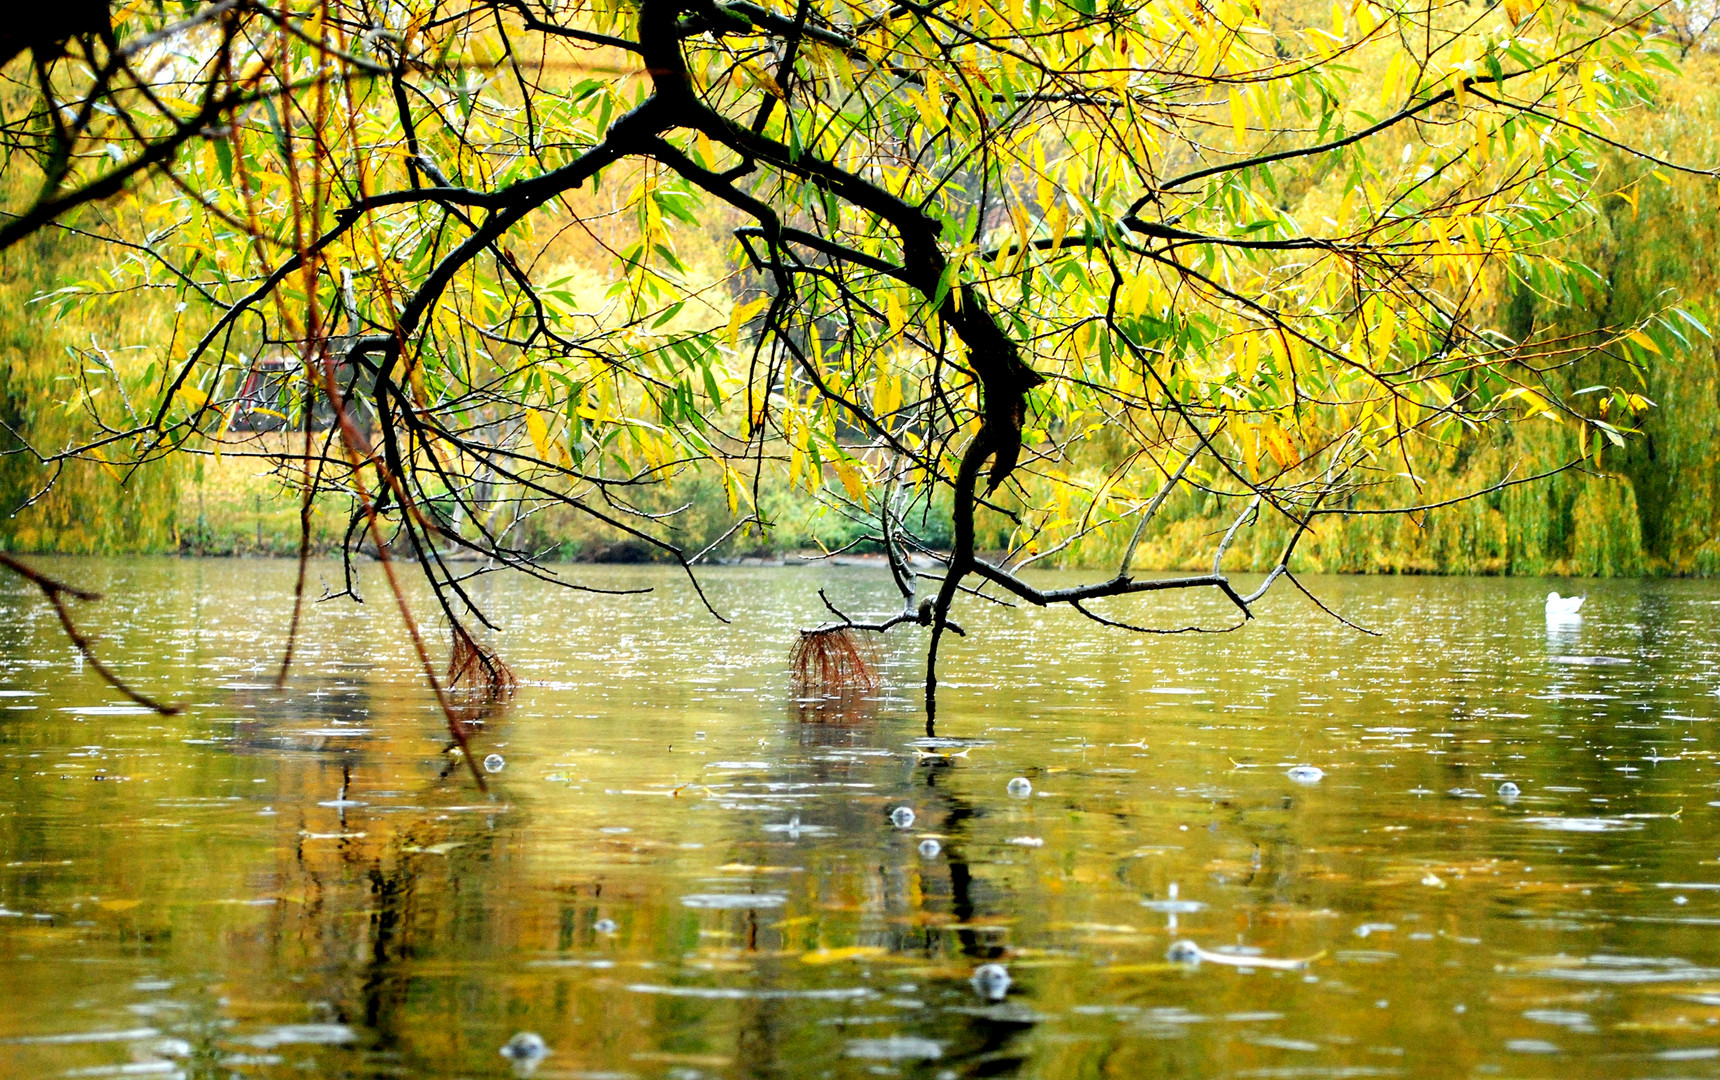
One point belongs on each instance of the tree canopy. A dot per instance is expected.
(1020, 267)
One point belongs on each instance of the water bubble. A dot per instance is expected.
(1021, 787)
(902, 817)
(526, 1047)
(699, 736)
(1183, 952)
(1681, 900)
(496, 763)
(1508, 790)
(991, 981)
(1307, 774)
(929, 849)
(604, 926)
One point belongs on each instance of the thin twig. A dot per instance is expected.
(55, 592)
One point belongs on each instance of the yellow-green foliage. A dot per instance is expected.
(1652, 507)
(89, 508)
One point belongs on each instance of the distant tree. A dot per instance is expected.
(1036, 263)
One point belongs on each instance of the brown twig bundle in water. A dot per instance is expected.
(832, 660)
(478, 672)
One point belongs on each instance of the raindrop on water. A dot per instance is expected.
(991, 981)
(901, 817)
(1020, 787)
(496, 763)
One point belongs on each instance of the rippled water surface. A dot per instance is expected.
(1282, 852)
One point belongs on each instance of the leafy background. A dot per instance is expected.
(1652, 507)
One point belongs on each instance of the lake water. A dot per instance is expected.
(681, 872)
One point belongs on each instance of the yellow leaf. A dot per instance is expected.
(762, 79)
(886, 393)
(853, 481)
(1389, 88)
(1238, 115)
(928, 110)
(538, 428)
(732, 488)
(1645, 341)
(1278, 444)
(739, 317)
(1058, 220)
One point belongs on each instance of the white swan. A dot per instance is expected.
(1564, 607)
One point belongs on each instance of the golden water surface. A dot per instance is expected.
(680, 871)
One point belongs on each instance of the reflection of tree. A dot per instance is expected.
(957, 812)
(983, 1037)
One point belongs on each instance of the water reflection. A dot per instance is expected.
(1479, 846)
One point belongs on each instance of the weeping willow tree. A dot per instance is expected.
(485, 258)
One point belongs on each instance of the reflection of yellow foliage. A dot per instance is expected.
(837, 956)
